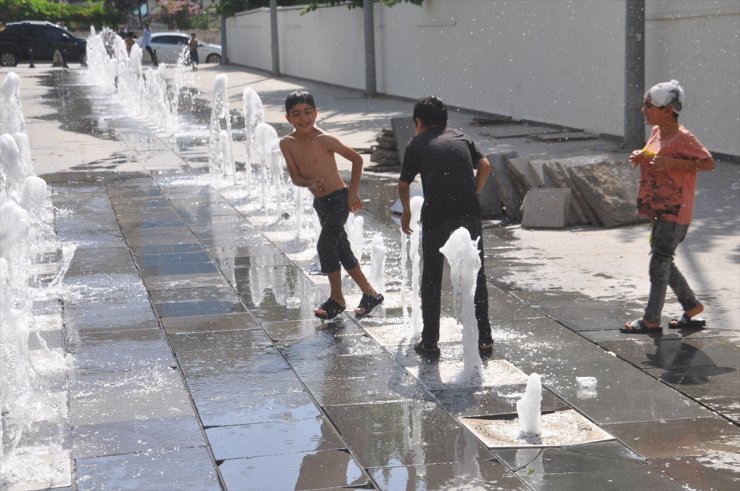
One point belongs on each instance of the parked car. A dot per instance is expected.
(170, 45)
(44, 38)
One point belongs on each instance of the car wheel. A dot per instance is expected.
(213, 58)
(83, 58)
(8, 58)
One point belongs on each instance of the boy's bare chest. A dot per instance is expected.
(312, 155)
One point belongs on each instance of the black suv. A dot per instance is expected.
(44, 38)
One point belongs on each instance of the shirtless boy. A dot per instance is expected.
(309, 154)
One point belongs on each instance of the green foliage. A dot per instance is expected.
(75, 17)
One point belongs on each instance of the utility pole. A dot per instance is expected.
(370, 87)
(634, 74)
(274, 39)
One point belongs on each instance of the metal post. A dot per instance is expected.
(30, 58)
(224, 45)
(634, 74)
(274, 39)
(370, 87)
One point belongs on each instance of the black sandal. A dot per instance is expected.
(331, 308)
(686, 322)
(368, 303)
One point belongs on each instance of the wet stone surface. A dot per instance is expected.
(199, 364)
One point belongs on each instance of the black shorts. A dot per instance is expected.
(333, 245)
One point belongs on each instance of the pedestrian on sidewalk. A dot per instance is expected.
(668, 163)
(310, 156)
(453, 171)
(193, 53)
(147, 43)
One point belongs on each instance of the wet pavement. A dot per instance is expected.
(198, 363)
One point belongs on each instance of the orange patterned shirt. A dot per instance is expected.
(669, 194)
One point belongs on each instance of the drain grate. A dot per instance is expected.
(559, 428)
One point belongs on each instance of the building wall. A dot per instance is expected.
(558, 62)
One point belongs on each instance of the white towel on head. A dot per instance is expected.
(666, 93)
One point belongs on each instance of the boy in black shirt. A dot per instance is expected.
(453, 171)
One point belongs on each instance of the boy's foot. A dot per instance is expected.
(427, 350)
(687, 320)
(641, 326)
(329, 309)
(485, 348)
(368, 303)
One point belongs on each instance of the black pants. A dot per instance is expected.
(333, 244)
(153, 54)
(435, 233)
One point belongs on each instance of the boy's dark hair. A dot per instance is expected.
(298, 97)
(431, 110)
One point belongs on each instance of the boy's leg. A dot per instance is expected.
(681, 288)
(432, 239)
(335, 287)
(361, 280)
(666, 237)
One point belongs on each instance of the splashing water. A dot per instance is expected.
(462, 255)
(11, 116)
(220, 152)
(254, 114)
(528, 407)
(265, 137)
(354, 227)
(377, 264)
(144, 94)
(25, 399)
(416, 318)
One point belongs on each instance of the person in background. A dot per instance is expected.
(147, 44)
(193, 47)
(669, 163)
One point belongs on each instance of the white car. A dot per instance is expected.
(170, 45)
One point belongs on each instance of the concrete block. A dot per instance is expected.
(510, 197)
(546, 208)
(556, 175)
(610, 187)
(490, 196)
(521, 174)
(521, 130)
(565, 136)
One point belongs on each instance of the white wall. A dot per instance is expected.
(553, 61)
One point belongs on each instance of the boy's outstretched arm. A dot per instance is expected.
(295, 174)
(481, 175)
(336, 146)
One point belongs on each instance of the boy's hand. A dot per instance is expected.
(640, 157)
(406, 222)
(355, 204)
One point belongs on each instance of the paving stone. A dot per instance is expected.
(322, 469)
(519, 130)
(179, 468)
(521, 172)
(446, 440)
(480, 474)
(546, 208)
(263, 439)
